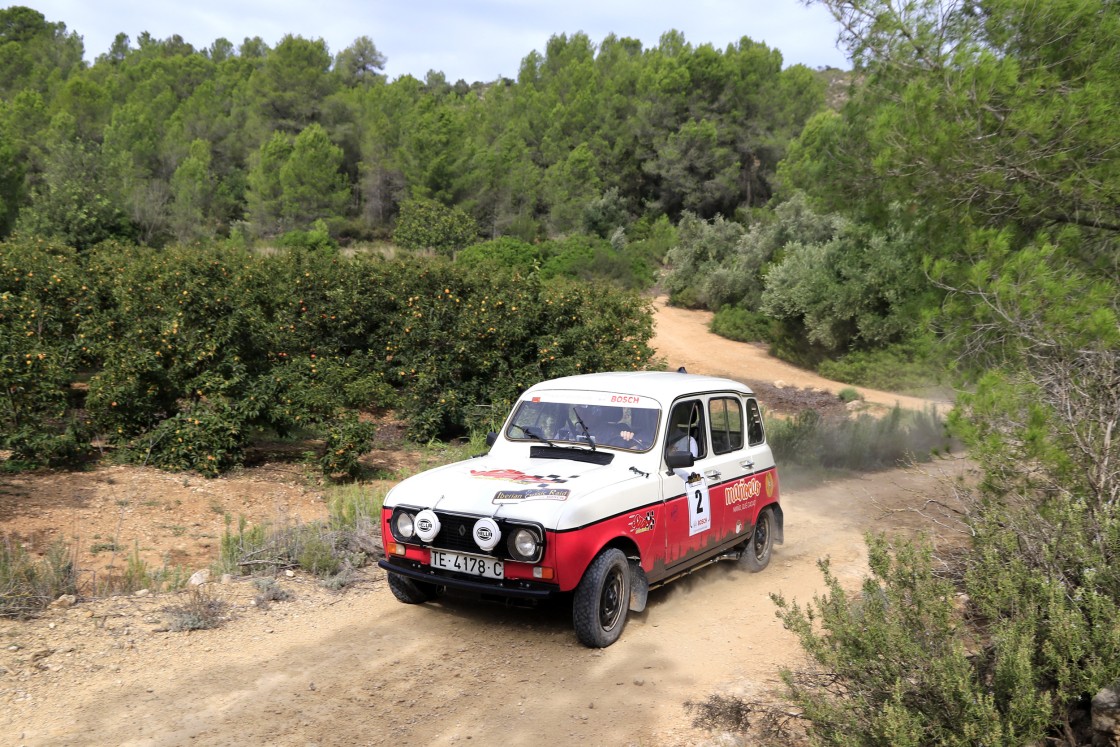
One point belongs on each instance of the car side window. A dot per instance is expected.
(726, 417)
(755, 432)
(686, 428)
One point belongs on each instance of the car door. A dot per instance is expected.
(688, 507)
(730, 463)
(747, 480)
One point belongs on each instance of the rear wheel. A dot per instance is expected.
(412, 592)
(602, 599)
(756, 556)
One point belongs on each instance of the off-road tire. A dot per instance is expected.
(412, 592)
(602, 599)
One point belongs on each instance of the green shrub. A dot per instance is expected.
(849, 394)
(317, 555)
(317, 238)
(428, 224)
(209, 438)
(505, 252)
(892, 667)
(742, 325)
(899, 368)
(348, 438)
(248, 543)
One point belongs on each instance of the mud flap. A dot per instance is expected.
(639, 587)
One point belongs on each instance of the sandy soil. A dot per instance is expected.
(359, 668)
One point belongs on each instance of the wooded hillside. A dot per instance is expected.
(159, 142)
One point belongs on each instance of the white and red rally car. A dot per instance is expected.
(604, 485)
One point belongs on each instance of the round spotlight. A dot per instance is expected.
(427, 525)
(486, 534)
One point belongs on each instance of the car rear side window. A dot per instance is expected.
(754, 423)
(726, 417)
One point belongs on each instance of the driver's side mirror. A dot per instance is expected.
(491, 438)
(679, 459)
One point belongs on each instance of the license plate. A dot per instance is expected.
(472, 564)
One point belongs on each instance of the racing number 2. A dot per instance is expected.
(700, 520)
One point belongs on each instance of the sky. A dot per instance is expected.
(476, 40)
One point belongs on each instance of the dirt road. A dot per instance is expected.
(361, 668)
(682, 337)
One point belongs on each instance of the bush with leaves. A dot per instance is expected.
(590, 258)
(861, 289)
(506, 252)
(736, 323)
(892, 668)
(702, 248)
(348, 437)
(466, 344)
(1040, 634)
(428, 224)
(193, 352)
(43, 300)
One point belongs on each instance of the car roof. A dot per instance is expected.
(661, 385)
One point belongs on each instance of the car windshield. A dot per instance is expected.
(621, 427)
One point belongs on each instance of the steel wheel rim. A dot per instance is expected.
(762, 537)
(610, 600)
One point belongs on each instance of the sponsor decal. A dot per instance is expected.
(630, 399)
(642, 523)
(483, 533)
(769, 484)
(537, 494)
(517, 476)
(424, 525)
(742, 491)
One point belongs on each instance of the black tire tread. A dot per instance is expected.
(585, 603)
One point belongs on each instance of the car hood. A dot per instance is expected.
(539, 490)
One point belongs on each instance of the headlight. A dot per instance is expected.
(405, 527)
(524, 544)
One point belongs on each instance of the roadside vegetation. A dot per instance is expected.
(934, 223)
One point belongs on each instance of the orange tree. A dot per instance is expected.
(191, 353)
(42, 302)
(462, 343)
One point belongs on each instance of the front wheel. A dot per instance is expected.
(602, 599)
(756, 556)
(412, 592)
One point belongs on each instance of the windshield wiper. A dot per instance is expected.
(536, 436)
(583, 425)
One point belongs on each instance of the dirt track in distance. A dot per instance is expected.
(360, 668)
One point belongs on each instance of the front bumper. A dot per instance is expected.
(511, 588)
